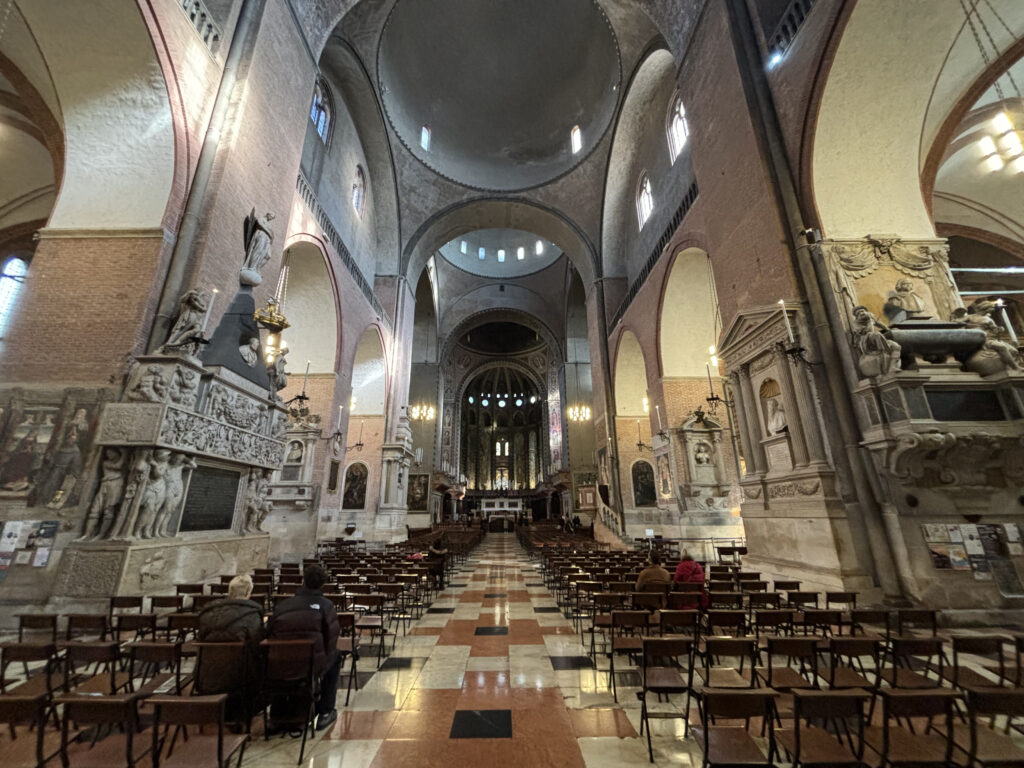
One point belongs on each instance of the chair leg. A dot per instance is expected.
(611, 674)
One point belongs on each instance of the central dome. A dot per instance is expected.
(488, 92)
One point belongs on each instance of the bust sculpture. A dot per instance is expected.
(903, 303)
(250, 351)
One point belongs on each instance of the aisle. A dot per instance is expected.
(493, 675)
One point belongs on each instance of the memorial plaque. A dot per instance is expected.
(210, 505)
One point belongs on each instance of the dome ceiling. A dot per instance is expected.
(499, 86)
(501, 338)
(500, 254)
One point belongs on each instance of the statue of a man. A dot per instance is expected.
(276, 373)
(258, 239)
(979, 315)
(104, 504)
(776, 417)
(192, 308)
(878, 355)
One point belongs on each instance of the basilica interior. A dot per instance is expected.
(563, 290)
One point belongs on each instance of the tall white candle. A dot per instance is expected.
(1006, 322)
(361, 430)
(209, 310)
(785, 318)
(711, 387)
(340, 407)
(657, 410)
(305, 378)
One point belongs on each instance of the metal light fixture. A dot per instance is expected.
(577, 412)
(422, 412)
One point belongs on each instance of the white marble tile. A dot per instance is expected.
(351, 753)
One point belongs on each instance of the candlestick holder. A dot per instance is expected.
(301, 397)
(356, 446)
(714, 400)
(796, 353)
(640, 445)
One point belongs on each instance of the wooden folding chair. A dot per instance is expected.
(667, 670)
(984, 745)
(732, 745)
(626, 633)
(900, 746)
(820, 720)
(100, 746)
(199, 749)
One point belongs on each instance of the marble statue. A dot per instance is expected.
(151, 386)
(104, 504)
(250, 351)
(153, 495)
(184, 386)
(903, 303)
(265, 509)
(276, 373)
(255, 497)
(175, 492)
(188, 327)
(995, 355)
(878, 354)
(776, 417)
(136, 483)
(258, 239)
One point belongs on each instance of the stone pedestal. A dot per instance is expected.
(106, 568)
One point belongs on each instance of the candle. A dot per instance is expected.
(209, 310)
(657, 410)
(711, 387)
(361, 430)
(785, 318)
(340, 407)
(305, 378)
(639, 439)
(1006, 322)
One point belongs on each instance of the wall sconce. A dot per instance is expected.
(422, 412)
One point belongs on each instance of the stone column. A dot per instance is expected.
(812, 429)
(741, 426)
(794, 418)
(746, 395)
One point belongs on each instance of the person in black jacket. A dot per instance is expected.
(233, 619)
(311, 615)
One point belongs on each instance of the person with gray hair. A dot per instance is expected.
(232, 619)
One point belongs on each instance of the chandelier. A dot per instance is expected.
(578, 413)
(422, 413)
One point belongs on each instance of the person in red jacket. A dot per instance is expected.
(689, 570)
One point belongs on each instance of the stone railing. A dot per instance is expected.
(202, 22)
(313, 204)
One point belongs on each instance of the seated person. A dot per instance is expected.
(689, 570)
(653, 578)
(232, 619)
(310, 615)
(435, 560)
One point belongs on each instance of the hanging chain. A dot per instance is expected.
(1009, 71)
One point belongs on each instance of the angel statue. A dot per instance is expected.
(257, 237)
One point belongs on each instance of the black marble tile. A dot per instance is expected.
(482, 724)
(402, 662)
(547, 609)
(455, 586)
(571, 662)
(491, 631)
(495, 594)
(440, 610)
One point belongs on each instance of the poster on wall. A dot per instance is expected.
(958, 558)
(10, 536)
(935, 533)
(940, 557)
(972, 540)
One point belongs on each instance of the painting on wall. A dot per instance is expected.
(418, 492)
(354, 495)
(664, 477)
(643, 485)
(43, 452)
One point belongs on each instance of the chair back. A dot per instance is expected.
(25, 710)
(630, 622)
(680, 622)
(734, 620)
(81, 624)
(288, 661)
(911, 618)
(37, 623)
(738, 704)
